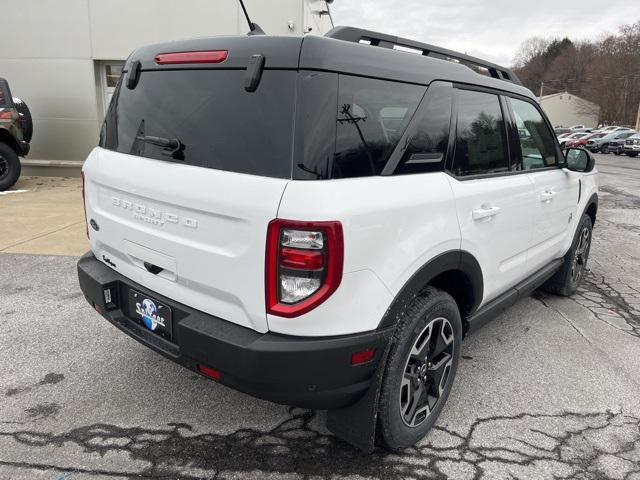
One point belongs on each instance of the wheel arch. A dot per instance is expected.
(456, 272)
(592, 208)
(8, 139)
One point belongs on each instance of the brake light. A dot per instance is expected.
(304, 263)
(177, 58)
(84, 205)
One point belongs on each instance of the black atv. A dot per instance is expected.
(16, 130)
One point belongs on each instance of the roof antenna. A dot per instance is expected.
(254, 28)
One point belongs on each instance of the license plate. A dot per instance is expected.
(149, 312)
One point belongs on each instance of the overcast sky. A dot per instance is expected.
(490, 29)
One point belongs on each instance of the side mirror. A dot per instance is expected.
(579, 160)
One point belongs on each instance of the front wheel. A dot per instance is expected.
(633, 154)
(9, 167)
(605, 149)
(567, 280)
(420, 370)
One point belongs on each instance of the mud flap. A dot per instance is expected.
(357, 423)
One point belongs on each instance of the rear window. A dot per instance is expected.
(218, 124)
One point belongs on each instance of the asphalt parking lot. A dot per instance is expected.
(550, 389)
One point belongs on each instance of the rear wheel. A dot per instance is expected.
(567, 280)
(605, 149)
(420, 370)
(618, 153)
(9, 167)
(633, 154)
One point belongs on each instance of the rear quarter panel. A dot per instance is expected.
(392, 227)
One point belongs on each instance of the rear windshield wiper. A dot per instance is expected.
(173, 146)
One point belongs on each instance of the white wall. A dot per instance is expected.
(51, 56)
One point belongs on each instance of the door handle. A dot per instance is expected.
(547, 195)
(485, 212)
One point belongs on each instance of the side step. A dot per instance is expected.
(510, 297)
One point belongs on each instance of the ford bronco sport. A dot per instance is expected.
(16, 129)
(320, 221)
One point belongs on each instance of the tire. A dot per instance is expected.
(605, 149)
(431, 323)
(567, 280)
(633, 154)
(25, 119)
(618, 153)
(9, 167)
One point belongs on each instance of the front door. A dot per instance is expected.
(556, 190)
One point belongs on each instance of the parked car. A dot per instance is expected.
(578, 127)
(582, 141)
(559, 131)
(632, 145)
(572, 137)
(612, 128)
(602, 144)
(16, 130)
(329, 258)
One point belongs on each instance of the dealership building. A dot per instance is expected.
(63, 58)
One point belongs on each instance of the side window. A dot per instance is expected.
(372, 116)
(428, 145)
(536, 140)
(481, 145)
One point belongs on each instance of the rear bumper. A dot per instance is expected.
(305, 372)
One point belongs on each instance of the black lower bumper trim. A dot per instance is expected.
(299, 371)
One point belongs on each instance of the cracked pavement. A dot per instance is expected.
(548, 390)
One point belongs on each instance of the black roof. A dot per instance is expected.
(341, 51)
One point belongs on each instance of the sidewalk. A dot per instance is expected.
(46, 219)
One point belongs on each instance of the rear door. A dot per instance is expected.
(556, 190)
(495, 207)
(190, 171)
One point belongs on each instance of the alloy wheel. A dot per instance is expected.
(580, 256)
(426, 371)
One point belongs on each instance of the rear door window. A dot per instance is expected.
(481, 146)
(218, 124)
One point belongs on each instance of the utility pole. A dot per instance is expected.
(541, 90)
(638, 119)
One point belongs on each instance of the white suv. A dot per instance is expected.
(319, 221)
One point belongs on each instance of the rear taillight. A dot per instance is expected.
(180, 58)
(84, 204)
(303, 265)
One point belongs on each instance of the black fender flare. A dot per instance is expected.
(451, 260)
(592, 202)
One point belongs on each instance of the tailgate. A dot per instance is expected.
(204, 228)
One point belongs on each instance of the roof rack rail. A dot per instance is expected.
(368, 37)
